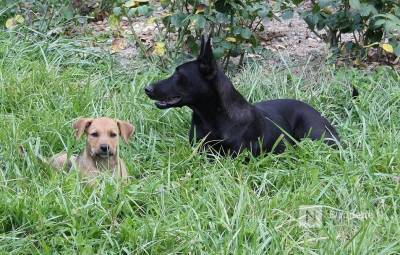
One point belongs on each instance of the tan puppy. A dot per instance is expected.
(101, 152)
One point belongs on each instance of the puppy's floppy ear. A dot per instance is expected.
(208, 65)
(80, 126)
(126, 129)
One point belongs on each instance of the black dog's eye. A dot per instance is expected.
(113, 134)
(95, 134)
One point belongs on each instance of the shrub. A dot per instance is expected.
(42, 16)
(232, 23)
(372, 22)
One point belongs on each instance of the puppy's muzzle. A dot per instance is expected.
(104, 151)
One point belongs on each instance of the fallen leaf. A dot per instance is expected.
(19, 19)
(387, 47)
(11, 23)
(200, 8)
(357, 62)
(118, 45)
(134, 3)
(164, 3)
(327, 10)
(159, 49)
(166, 14)
(55, 31)
(230, 39)
(113, 21)
(151, 21)
(279, 46)
(131, 3)
(128, 32)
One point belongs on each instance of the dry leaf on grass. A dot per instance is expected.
(13, 22)
(200, 8)
(387, 47)
(118, 45)
(159, 49)
(134, 3)
(230, 39)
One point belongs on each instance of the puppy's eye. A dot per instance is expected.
(113, 134)
(95, 134)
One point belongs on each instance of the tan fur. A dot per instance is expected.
(100, 131)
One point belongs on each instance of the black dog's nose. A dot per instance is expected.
(149, 89)
(104, 147)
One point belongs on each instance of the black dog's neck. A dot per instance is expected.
(208, 109)
(227, 104)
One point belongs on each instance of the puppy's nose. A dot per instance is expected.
(104, 147)
(149, 89)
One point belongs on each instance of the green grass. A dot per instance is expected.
(177, 201)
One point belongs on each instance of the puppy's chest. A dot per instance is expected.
(90, 165)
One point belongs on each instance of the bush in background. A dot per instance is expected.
(232, 23)
(41, 16)
(372, 22)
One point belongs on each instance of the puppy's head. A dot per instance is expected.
(103, 135)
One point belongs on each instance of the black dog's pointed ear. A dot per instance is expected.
(201, 46)
(208, 65)
(205, 49)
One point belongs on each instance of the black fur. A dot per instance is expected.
(226, 121)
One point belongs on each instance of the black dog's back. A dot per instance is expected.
(298, 119)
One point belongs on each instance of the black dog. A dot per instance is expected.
(225, 121)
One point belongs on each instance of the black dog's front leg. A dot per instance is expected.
(199, 133)
(196, 132)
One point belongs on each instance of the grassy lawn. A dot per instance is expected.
(177, 201)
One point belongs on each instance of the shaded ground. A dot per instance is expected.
(293, 38)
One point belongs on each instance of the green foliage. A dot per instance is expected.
(130, 9)
(390, 24)
(45, 17)
(232, 23)
(371, 22)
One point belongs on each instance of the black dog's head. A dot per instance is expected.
(189, 83)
